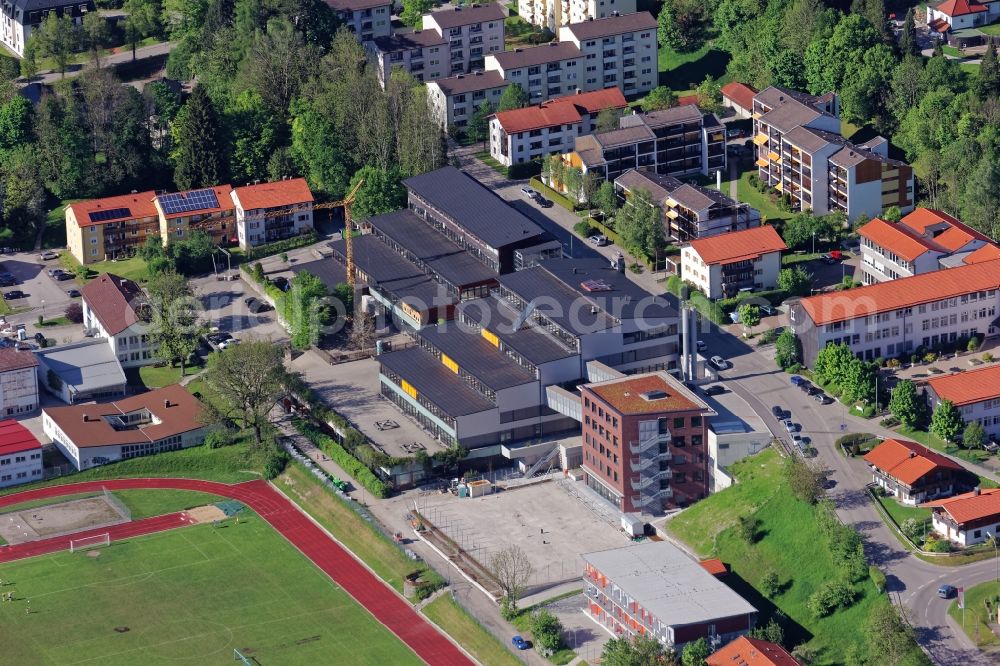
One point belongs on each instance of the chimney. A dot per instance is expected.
(975, 491)
(85, 418)
(913, 454)
(166, 403)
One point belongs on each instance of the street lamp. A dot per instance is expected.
(814, 242)
(43, 309)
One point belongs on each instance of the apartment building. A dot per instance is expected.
(544, 72)
(675, 142)
(209, 210)
(19, 18)
(268, 212)
(619, 50)
(801, 154)
(472, 31)
(552, 14)
(976, 394)
(18, 382)
(893, 319)
(969, 518)
(367, 19)
(454, 100)
(521, 135)
(101, 229)
(20, 454)
(689, 211)
(912, 473)
(645, 440)
(721, 266)
(921, 242)
(111, 311)
(422, 53)
(655, 589)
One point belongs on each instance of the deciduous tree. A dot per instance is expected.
(974, 436)
(906, 405)
(143, 20)
(749, 316)
(660, 97)
(57, 38)
(513, 97)
(96, 34)
(695, 653)
(641, 650)
(606, 200)
(511, 568)
(889, 639)
(382, 192)
(413, 11)
(797, 281)
(683, 24)
(174, 328)
(946, 421)
(787, 349)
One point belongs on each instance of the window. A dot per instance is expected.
(679, 422)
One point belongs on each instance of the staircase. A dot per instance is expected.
(544, 461)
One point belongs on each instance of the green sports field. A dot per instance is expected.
(187, 596)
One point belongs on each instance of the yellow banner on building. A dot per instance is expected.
(448, 363)
(492, 339)
(408, 388)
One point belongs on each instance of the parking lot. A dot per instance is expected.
(225, 307)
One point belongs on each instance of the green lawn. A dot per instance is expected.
(141, 503)
(791, 545)
(932, 441)
(975, 614)
(189, 595)
(464, 628)
(153, 377)
(57, 321)
(991, 29)
(134, 268)
(901, 513)
(748, 194)
(683, 72)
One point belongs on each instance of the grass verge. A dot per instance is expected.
(975, 619)
(749, 194)
(133, 269)
(931, 440)
(465, 629)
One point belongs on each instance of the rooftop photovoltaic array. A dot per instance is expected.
(185, 202)
(110, 214)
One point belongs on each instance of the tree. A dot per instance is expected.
(830, 596)
(173, 317)
(800, 229)
(946, 421)
(974, 436)
(249, 379)
(660, 97)
(748, 527)
(22, 194)
(74, 312)
(888, 637)
(478, 128)
(29, 63)
(772, 631)
(57, 39)
(512, 569)
(363, 331)
(906, 405)
(413, 11)
(857, 381)
(908, 44)
(709, 95)
(832, 361)
(16, 123)
(546, 631)
(606, 200)
(572, 181)
(787, 349)
(988, 80)
(695, 653)
(382, 192)
(749, 316)
(143, 20)
(306, 309)
(96, 34)
(796, 281)
(892, 214)
(770, 584)
(683, 24)
(642, 650)
(607, 120)
(513, 97)
(639, 224)
(277, 63)
(804, 481)
(197, 156)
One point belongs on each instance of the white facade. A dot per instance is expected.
(367, 19)
(552, 70)
(454, 100)
(19, 391)
(552, 14)
(726, 447)
(519, 147)
(964, 538)
(627, 59)
(132, 346)
(879, 264)
(760, 273)
(20, 467)
(425, 59)
(469, 42)
(19, 17)
(962, 21)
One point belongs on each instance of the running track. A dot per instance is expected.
(368, 590)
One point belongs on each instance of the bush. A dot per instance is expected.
(889, 422)
(218, 438)
(770, 585)
(930, 357)
(674, 284)
(342, 457)
(278, 247)
(546, 631)
(74, 312)
(830, 596)
(937, 545)
(276, 463)
(988, 357)
(877, 577)
(912, 528)
(793, 368)
(973, 344)
(583, 229)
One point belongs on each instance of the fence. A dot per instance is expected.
(117, 504)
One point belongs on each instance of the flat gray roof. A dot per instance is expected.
(464, 83)
(435, 382)
(85, 366)
(666, 582)
(530, 341)
(474, 355)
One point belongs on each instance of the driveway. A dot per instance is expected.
(224, 306)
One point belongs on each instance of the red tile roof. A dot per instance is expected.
(745, 651)
(274, 195)
(183, 415)
(12, 359)
(111, 299)
(898, 239)
(971, 506)
(939, 25)
(130, 207)
(223, 194)
(714, 566)
(966, 388)
(960, 7)
(561, 110)
(904, 292)
(738, 245)
(955, 236)
(740, 93)
(625, 395)
(985, 253)
(907, 461)
(15, 438)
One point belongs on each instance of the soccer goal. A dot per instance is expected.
(94, 541)
(239, 656)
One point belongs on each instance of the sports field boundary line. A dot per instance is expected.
(372, 572)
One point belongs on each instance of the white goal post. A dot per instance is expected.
(93, 541)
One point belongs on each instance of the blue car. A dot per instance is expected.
(796, 380)
(520, 643)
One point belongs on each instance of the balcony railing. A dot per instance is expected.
(640, 483)
(649, 443)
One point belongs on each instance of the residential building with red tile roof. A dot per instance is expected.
(969, 518)
(722, 265)
(165, 419)
(18, 382)
(738, 97)
(976, 394)
(521, 135)
(100, 229)
(111, 310)
(911, 472)
(268, 212)
(645, 440)
(746, 651)
(208, 209)
(953, 15)
(892, 319)
(20, 454)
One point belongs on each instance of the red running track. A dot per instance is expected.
(368, 590)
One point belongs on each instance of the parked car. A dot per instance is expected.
(600, 240)
(543, 202)
(13, 295)
(719, 362)
(714, 389)
(281, 283)
(823, 398)
(62, 277)
(528, 192)
(260, 306)
(947, 591)
(700, 345)
(519, 643)
(735, 133)
(40, 337)
(778, 412)
(52, 272)
(73, 293)
(48, 255)
(796, 380)
(226, 344)
(792, 427)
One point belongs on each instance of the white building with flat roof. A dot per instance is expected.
(18, 382)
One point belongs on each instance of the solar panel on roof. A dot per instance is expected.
(188, 201)
(110, 214)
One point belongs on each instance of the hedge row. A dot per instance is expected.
(278, 247)
(342, 457)
(552, 194)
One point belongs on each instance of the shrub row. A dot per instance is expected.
(552, 194)
(282, 246)
(342, 457)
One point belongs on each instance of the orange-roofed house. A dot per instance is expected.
(976, 395)
(645, 440)
(721, 266)
(954, 15)
(969, 518)
(102, 229)
(738, 97)
(268, 212)
(521, 135)
(208, 209)
(746, 651)
(912, 473)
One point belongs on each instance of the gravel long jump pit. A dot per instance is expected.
(42, 522)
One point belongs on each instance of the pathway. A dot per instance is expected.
(384, 603)
(124, 56)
